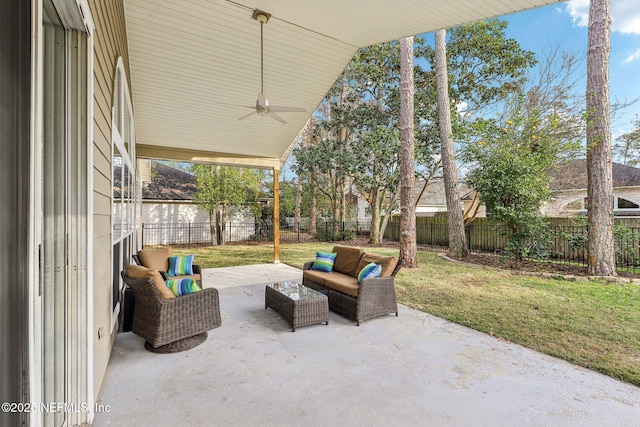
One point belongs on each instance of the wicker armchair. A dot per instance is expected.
(172, 325)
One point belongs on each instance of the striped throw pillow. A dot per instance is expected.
(181, 287)
(369, 271)
(180, 266)
(324, 261)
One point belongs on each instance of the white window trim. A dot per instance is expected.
(127, 156)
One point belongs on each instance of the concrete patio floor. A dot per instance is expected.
(411, 370)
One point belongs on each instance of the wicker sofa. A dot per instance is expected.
(357, 301)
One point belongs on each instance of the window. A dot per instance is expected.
(124, 196)
(621, 203)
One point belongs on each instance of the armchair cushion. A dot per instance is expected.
(141, 272)
(181, 287)
(157, 259)
(180, 266)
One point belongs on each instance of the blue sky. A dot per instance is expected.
(565, 25)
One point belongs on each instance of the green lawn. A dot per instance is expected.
(590, 323)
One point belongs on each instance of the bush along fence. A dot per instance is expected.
(563, 241)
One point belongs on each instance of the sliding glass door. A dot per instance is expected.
(64, 193)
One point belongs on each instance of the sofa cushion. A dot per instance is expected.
(371, 270)
(388, 263)
(343, 283)
(181, 287)
(180, 265)
(141, 272)
(347, 259)
(316, 276)
(157, 259)
(324, 261)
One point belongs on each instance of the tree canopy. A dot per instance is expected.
(356, 138)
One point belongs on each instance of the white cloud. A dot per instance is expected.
(633, 57)
(461, 108)
(579, 11)
(625, 15)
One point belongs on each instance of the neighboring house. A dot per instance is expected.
(89, 87)
(569, 185)
(167, 196)
(167, 202)
(434, 202)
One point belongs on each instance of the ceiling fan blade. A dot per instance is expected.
(235, 105)
(247, 115)
(277, 117)
(281, 109)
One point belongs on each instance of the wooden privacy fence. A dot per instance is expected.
(568, 238)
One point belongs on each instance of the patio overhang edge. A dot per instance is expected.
(197, 156)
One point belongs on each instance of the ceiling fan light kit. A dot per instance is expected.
(260, 16)
(262, 107)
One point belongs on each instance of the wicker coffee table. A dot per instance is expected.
(299, 305)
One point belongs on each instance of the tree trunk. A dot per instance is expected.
(213, 227)
(374, 237)
(600, 246)
(457, 239)
(408, 249)
(296, 219)
(387, 216)
(223, 225)
(218, 228)
(314, 204)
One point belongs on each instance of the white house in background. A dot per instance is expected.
(434, 202)
(87, 88)
(167, 196)
(569, 185)
(170, 216)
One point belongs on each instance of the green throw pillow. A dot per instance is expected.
(324, 262)
(181, 287)
(180, 266)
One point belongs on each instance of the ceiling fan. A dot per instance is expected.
(262, 107)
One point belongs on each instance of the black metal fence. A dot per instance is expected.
(199, 234)
(564, 243)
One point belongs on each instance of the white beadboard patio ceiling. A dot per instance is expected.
(188, 56)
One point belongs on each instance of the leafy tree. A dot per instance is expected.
(288, 190)
(627, 147)
(512, 174)
(356, 137)
(371, 113)
(223, 187)
(602, 261)
(484, 67)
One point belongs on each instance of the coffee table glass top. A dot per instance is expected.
(295, 290)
